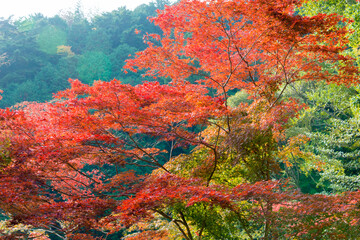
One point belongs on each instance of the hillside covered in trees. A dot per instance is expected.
(220, 119)
(41, 53)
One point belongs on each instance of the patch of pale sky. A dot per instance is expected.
(23, 8)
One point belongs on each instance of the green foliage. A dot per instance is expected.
(52, 79)
(50, 38)
(331, 121)
(239, 97)
(349, 9)
(5, 158)
(118, 57)
(90, 49)
(94, 66)
(26, 24)
(98, 40)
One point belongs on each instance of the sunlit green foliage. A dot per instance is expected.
(50, 38)
(347, 8)
(331, 121)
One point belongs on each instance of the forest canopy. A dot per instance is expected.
(231, 119)
(42, 53)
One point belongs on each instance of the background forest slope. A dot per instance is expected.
(40, 54)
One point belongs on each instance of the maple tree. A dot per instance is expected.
(70, 166)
